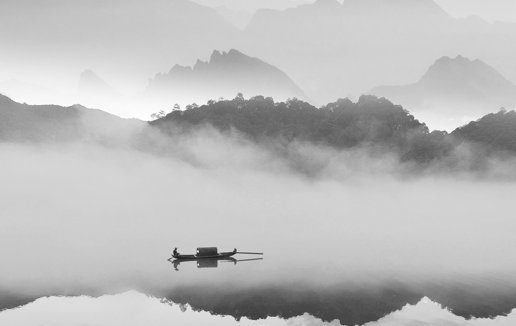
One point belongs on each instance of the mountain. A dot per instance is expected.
(224, 75)
(53, 123)
(90, 84)
(455, 87)
(131, 38)
(332, 49)
(372, 124)
(495, 131)
(368, 123)
(93, 91)
(341, 124)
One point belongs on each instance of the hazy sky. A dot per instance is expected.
(488, 9)
(41, 62)
(252, 5)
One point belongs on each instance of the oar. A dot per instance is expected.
(249, 253)
(239, 260)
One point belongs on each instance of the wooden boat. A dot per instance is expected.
(209, 253)
(206, 253)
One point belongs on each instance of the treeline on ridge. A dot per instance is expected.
(371, 121)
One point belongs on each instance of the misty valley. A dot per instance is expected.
(257, 162)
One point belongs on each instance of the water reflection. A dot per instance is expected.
(340, 241)
(210, 263)
(348, 303)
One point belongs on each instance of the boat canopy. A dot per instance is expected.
(207, 251)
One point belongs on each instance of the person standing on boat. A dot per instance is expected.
(175, 253)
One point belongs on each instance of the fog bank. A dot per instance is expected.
(87, 215)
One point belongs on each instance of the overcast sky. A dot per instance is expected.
(491, 10)
(488, 9)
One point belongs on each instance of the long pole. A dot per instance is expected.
(249, 253)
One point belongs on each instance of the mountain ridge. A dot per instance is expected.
(469, 86)
(54, 123)
(360, 44)
(226, 74)
(371, 122)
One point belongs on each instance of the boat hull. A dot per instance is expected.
(221, 255)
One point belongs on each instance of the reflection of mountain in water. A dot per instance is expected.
(348, 303)
(49, 311)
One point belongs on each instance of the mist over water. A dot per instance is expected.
(89, 219)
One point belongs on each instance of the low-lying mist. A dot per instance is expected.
(84, 216)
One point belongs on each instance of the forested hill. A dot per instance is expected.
(343, 124)
(372, 123)
(495, 131)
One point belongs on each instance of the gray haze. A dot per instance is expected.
(493, 10)
(253, 5)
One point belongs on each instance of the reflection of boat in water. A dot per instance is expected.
(209, 263)
(210, 257)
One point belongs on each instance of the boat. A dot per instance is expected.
(209, 253)
(204, 253)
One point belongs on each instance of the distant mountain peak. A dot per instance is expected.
(180, 69)
(413, 7)
(215, 55)
(464, 69)
(91, 84)
(231, 54)
(326, 3)
(454, 88)
(88, 76)
(225, 74)
(446, 61)
(230, 58)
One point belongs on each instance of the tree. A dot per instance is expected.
(239, 100)
(158, 115)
